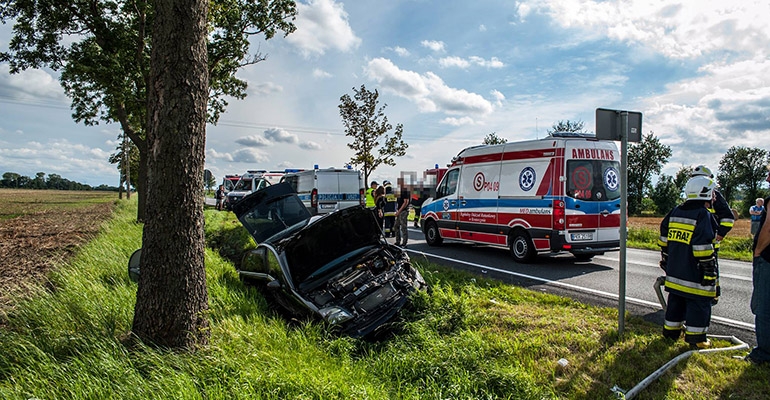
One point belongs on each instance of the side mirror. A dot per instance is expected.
(133, 265)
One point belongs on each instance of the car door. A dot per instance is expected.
(449, 204)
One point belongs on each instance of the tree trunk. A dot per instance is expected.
(172, 300)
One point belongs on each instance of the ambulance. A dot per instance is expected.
(548, 196)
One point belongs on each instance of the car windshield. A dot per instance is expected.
(593, 180)
(243, 184)
(268, 215)
(333, 237)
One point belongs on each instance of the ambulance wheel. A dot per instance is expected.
(522, 248)
(431, 234)
(584, 257)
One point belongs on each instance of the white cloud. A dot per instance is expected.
(447, 62)
(321, 74)
(684, 29)
(434, 45)
(251, 156)
(253, 141)
(215, 155)
(453, 61)
(499, 97)
(281, 135)
(401, 51)
(458, 121)
(322, 25)
(482, 28)
(310, 145)
(265, 88)
(428, 90)
(57, 156)
(30, 84)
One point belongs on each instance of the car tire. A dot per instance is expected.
(521, 246)
(432, 235)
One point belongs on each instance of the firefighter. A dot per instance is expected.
(370, 194)
(724, 216)
(390, 209)
(687, 256)
(719, 206)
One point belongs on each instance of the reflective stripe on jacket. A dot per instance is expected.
(687, 234)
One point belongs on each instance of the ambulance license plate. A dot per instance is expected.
(327, 206)
(582, 236)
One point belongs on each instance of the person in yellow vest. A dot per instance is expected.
(370, 194)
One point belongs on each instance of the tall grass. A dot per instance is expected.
(469, 338)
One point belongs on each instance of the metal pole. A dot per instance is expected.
(623, 221)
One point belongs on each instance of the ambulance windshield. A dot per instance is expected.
(593, 180)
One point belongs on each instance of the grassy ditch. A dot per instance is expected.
(471, 338)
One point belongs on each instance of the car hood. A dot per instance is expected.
(327, 239)
(277, 216)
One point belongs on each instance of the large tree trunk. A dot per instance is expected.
(172, 300)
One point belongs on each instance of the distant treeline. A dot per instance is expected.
(52, 181)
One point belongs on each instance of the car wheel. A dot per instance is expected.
(432, 235)
(522, 248)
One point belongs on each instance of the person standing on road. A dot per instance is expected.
(756, 214)
(687, 256)
(724, 216)
(370, 194)
(760, 296)
(220, 197)
(390, 209)
(402, 211)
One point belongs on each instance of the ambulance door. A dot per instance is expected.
(448, 204)
(477, 202)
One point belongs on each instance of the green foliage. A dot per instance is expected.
(492, 139)
(665, 195)
(53, 181)
(743, 168)
(470, 338)
(645, 159)
(367, 125)
(567, 126)
(103, 47)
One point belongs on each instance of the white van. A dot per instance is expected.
(557, 194)
(249, 182)
(326, 190)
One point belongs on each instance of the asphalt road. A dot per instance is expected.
(597, 282)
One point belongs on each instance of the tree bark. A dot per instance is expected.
(172, 300)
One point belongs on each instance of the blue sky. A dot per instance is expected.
(451, 72)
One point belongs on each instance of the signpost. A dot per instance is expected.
(623, 126)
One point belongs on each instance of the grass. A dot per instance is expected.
(470, 338)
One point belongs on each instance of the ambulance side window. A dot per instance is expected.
(448, 184)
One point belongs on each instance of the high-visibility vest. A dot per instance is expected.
(370, 198)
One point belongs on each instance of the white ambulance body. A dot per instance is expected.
(558, 194)
(326, 190)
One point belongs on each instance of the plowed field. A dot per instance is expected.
(41, 228)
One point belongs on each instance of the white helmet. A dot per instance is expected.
(699, 188)
(702, 170)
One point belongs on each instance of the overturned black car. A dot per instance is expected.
(337, 267)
